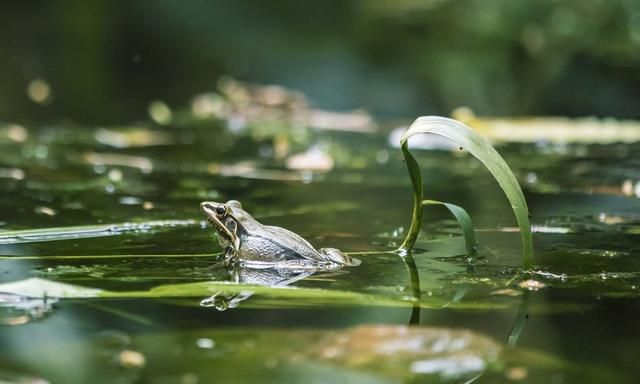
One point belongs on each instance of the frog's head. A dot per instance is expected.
(221, 216)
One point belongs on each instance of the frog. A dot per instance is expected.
(246, 240)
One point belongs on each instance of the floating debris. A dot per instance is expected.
(516, 373)
(550, 275)
(14, 132)
(144, 164)
(248, 170)
(115, 175)
(555, 130)
(205, 343)
(537, 229)
(549, 229)
(12, 173)
(314, 159)
(132, 137)
(160, 112)
(45, 211)
(131, 359)
(356, 121)
(130, 200)
(507, 292)
(243, 104)
(532, 285)
(39, 91)
(447, 353)
(210, 105)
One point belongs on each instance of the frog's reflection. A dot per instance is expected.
(18, 310)
(267, 274)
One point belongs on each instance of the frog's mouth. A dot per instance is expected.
(221, 229)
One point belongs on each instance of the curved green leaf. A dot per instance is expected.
(464, 220)
(468, 139)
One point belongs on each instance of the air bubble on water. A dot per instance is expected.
(205, 343)
(549, 275)
(115, 175)
(129, 200)
(397, 232)
(602, 217)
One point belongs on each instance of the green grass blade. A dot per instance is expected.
(464, 220)
(25, 236)
(468, 139)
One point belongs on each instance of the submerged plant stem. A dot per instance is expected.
(520, 321)
(414, 279)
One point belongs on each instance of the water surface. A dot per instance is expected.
(121, 208)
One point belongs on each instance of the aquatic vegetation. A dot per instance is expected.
(468, 140)
(145, 265)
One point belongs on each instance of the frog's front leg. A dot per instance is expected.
(336, 256)
(229, 256)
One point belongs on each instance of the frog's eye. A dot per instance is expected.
(221, 210)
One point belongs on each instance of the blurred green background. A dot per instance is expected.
(104, 61)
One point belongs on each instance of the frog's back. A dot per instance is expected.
(277, 244)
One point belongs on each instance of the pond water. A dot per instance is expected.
(108, 218)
